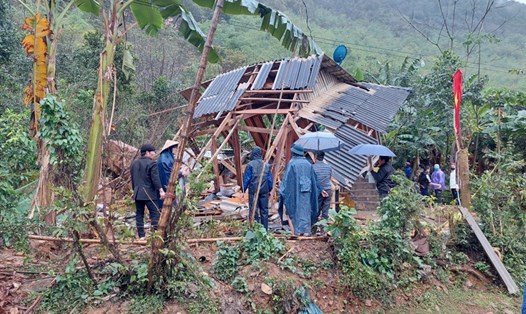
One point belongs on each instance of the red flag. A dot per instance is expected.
(457, 97)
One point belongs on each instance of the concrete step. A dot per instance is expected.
(365, 198)
(368, 205)
(363, 185)
(364, 192)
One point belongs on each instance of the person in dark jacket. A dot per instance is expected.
(258, 172)
(384, 184)
(424, 181)
(147, 187)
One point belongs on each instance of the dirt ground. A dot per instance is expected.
(24, 277)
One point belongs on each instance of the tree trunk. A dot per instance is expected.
(463, 170)
(155, 261)
(43, 197)
(92, 170)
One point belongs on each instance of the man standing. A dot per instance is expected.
(323, 174)
(384, 184)
(438, 182)
(146, 188)
(453, 185)
(258, 172)
(300, 191)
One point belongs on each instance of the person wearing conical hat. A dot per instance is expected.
(165, 163)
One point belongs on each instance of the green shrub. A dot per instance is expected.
(500, 203)
(226, 263)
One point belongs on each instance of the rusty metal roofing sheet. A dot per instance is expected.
(262, 76)
(222, 94)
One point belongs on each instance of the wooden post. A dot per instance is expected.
(237, 157)
(215, 165)
(155, 261)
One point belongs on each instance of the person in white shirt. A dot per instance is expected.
(453, 185)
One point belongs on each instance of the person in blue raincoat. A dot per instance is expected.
(299, 189)
(257, 171)
(165, 163)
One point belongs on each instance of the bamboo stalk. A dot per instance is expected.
(189, 241)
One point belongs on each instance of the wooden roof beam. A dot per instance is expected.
(274, 99)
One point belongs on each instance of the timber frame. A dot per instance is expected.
(270, 103)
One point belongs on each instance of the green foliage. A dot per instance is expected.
(500, 203)
(146, 304)
(402, 206)
(459, 258)
(7, 33)
(287, 297)
(258, 245)
(17, 149)
(18, 168)
(343, 223)
(376, 259)
(227, 259)
(61, 136)
(73, 289)
(482, 266)
(240, 284)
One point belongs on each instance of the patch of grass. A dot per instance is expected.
(461, 301)
(146, 304)
(240, 284)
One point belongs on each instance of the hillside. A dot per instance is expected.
(378, 31)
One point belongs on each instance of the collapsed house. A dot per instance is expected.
(278, 101)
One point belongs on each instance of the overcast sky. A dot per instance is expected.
(521, 1)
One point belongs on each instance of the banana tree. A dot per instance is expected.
(149, 15)
(43, 27)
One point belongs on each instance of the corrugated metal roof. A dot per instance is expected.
(222, 94)
(261, 78)
(297, 73)
(374, 108)
(347, 167)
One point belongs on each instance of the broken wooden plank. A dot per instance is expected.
(501, 269)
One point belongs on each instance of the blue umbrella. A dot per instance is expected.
(371, 150)
(319, 142)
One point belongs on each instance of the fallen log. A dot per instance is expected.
(190, 241)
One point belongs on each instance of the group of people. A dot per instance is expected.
(305, 190)
(304, 193)
(436, 181)
(149, 178)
